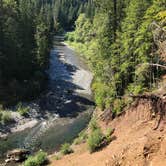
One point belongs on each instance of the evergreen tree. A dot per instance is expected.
(120, 46)
(24, 47)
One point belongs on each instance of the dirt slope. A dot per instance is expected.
(138, 142)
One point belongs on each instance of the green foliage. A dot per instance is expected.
(81, 137)
(118, 44)
(66, 11)
(114, 36)
(66, 149)
(57, 157)
(23, 111)
(94, 140)
(42, 38)
(24, 47)
(135, 89)
(108, 134)
(70, 36)
(93, 124)
(5, 117)
(100, 94)
(118, 106)
(103, 94)
(161, 17)
(83, 26)
(39, 159)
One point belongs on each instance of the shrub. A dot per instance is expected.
(23, 111)
(81, 137)
(93, 124)
(66, 149)
(5, 117)
(38, 160)
(118, 106)
(94, 140)
(70, 36)
(103, 94)
(99, 94)
(135, 89)
(108, 134)
(57, 157)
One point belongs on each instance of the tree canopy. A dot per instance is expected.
(119, 44)
(25, 40)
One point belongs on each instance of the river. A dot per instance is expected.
(64, 109)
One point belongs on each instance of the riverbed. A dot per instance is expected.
(61, 112)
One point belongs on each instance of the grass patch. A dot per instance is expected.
(5, 117)
(94, 140)
(66, 149)
(57, 157)
(40, 159)
(22, 110)
(81, 138)
(93, 124)
(108, 134)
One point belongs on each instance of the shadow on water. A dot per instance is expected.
(63, 101)
(61, 97)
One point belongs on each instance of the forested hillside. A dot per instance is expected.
(124, 43)
(121, 42)
(65, 12)
(25, 41)
(48, 93)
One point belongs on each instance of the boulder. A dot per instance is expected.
(17, 155)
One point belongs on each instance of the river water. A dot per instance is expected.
(65, 107)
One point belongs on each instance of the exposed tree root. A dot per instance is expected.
(158, 104)
(157, 108)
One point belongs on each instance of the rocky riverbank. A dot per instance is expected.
(67, 94)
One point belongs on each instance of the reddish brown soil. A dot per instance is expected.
(135, 143)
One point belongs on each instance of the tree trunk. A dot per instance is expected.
(115, 18)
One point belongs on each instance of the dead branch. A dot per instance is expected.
(154, 65)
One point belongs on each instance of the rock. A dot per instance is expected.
(17, 155)
(108, 115)
(68, 101)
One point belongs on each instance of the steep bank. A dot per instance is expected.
(137, 140)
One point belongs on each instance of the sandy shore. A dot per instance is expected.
(83, 78)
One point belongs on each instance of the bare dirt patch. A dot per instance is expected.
(137, 142)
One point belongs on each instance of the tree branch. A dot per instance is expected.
(154, 65)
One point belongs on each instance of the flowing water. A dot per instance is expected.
(64, 109)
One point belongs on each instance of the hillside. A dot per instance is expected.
(62, 61)
(125, 46)
(139, 138)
